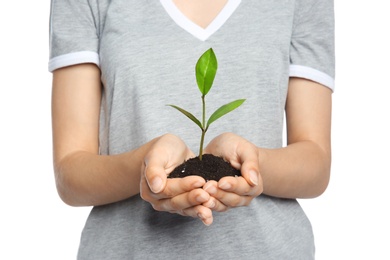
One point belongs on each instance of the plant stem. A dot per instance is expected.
(203, 112)
(203, 127)
(201, 145)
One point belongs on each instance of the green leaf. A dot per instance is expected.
(223, 110)
(189, 115)
(205, 71)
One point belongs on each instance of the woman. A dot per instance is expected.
(116, 64)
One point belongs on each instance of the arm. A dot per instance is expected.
(300, 170)
(84, 177)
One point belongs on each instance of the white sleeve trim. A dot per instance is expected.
(73, 59)
(312, 74)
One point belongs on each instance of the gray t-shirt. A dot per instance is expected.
(147, 51)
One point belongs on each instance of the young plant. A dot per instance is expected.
(205, 71)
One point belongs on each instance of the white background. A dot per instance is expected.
(351, 220)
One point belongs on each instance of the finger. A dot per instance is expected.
(215, 205)
(239, 185)
(145, 192)
(227, 198)
(232, 200)
(176, 186)
(182, 201)
(203, 213)
(155, 174)
(250, 164)
(160, 161)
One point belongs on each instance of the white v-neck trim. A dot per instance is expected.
(194, 29)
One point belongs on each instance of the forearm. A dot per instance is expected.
(87, 179)
(300, 170)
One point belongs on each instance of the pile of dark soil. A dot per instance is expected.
(210, 168)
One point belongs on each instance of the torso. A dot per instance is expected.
(148, 53)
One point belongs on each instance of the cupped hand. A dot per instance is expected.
(183, 196)
(231, 192)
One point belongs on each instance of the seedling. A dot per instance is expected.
(205, 71)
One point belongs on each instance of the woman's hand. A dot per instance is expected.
(183, 196)
(234, 191)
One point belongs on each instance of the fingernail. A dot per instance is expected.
(212, 204)
(156, 184)
(203, 219)
(201, 198)
(207, 222)
(224, 185)
(211, 190)
(198, 184)
(253, 177)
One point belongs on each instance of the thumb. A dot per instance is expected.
(155, 174)
(250, 167)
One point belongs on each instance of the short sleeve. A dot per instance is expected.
(312, 51)
(73, 33)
